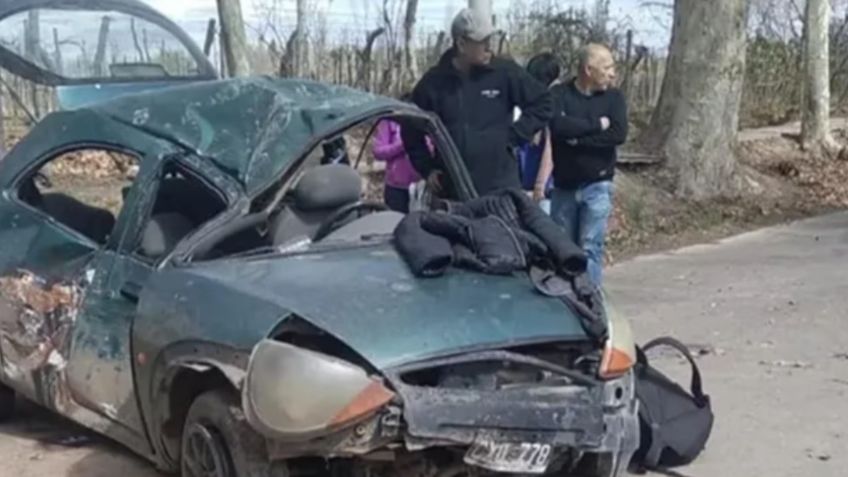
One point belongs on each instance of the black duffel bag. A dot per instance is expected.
(674, 424)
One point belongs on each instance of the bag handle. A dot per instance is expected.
(697, 388)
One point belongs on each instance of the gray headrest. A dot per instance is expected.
(163, 232)
(327, 187)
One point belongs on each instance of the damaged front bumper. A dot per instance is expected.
(554, 422)
(567, 420)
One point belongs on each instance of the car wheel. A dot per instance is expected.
(7, 402)
(217, 442)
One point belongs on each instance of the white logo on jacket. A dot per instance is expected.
(490, 93)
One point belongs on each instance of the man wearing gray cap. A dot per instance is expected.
(474, 94)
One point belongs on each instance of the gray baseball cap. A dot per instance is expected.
(470, 24)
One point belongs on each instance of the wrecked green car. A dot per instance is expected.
(182, 272)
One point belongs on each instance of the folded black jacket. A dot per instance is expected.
(502, 233)
(499, 233)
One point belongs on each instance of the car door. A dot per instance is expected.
(64, 329)
(95, 50)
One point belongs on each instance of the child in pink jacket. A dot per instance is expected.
(400, 174)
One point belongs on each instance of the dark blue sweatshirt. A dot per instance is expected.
(582, 152)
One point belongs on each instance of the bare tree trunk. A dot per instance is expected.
(363, 82)
(145, 44)
(2, 124)
(628, 69)
(815, 114)
(136, 42)
(211, 29)
(299, 45)
(409, 60)
(57, 53)
(696, 121)
(234, 40)
(32, 40)
(100, 55)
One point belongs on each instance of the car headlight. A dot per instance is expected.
(619, 354)
(294, 392)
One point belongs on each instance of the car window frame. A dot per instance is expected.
(440, 138)
(129, 245)
(14, 189)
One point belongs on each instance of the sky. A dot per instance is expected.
(193, 15)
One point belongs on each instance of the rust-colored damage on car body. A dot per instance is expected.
(36, 319)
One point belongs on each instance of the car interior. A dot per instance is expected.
(183, 204)
(88, 205)
(324, 201)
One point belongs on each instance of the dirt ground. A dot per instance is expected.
(780, 183)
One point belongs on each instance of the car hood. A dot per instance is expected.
(368, 298)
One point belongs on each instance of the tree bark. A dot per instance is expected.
(815, 114)
(136, 42)
(409, 60)
(57, 53)
(363, 82)
(211, 29)
(299, 41)
(2, 124)
(100, 54)
(697, 117)
(234, 40)
(32, 48)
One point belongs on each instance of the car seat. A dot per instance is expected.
(316, 196)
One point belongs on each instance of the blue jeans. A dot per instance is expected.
(584, 214)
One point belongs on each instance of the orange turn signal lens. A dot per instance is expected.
(374, 396)
(615, 362)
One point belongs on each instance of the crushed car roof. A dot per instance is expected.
(251, 128)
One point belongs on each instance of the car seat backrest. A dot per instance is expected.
(163, 232)
(320, 192)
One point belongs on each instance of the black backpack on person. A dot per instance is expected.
(674, 424)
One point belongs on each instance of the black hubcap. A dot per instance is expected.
(205, 454)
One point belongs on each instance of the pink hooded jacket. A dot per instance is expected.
(388, 147)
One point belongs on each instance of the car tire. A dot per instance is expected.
(7, 402)
(218, 442)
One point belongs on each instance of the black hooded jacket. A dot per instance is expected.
(500, 233)
(477, 110)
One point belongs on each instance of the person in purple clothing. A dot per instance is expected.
(400, 174)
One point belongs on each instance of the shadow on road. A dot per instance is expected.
(65, 449)
(110, 460)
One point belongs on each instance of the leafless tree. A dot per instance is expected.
(233, 37)
(695, 123)
(2, 124)
(815, 125)
(409, 56)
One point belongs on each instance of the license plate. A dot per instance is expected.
(510, 457)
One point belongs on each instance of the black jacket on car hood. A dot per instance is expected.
(501, 234)
(478, 111)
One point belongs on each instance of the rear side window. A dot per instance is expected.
(84, 189)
